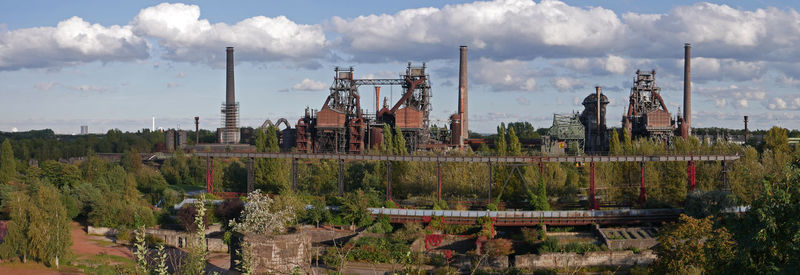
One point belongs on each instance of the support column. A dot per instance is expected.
(439, 180)
(294, 174)
(388, 180)
(642, 191)
(690, 172)
(341, 177)
(725, 176)
(210, 175)
(592, 200)
(491, 182)
(250, 175)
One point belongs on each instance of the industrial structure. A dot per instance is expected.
(567, 135)
(593, 119)
(229, 133)
(647, 114)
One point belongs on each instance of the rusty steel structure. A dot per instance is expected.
(341, 127)
(647, 115)
(593, 119)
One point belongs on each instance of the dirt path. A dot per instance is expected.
(83, 244)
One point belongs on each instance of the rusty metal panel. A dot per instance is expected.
(328, 118)
(658, 119)
(408, 118)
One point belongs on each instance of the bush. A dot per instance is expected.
(381, 226)
(228, 210)
(186, 217)
(498, 247)
(532, 235)
(409, 232)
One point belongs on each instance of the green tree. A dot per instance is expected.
(693, 246)
(8, 165)
(514, 146)
(43, 225)
(500, 143)
(271, 175)
(614, 147)
(132, 161)
(777, 139)
(387, 146)
(768, 232)
(17, 241)
(399, 142)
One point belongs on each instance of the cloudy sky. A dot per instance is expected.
(109, 64)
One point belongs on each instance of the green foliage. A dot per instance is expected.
(777, 139)
(354, 208)
(387, 146)
(379, 250)
(614, 147)
(703, 204)
(538, 198)
(399, 142)
(693, 245)
(271, 175)
(408, 233)
(552, 245)
(381, 226)
(500, 144)
(8, 165)
(524, 130)
(195, 261)
(768, 233)
(514, 146)
(39, 226)
(532, 235)
(318, 213)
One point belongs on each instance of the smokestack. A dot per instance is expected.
(687, 88)
(154, 125)
(463, 103)
(196, 130)
(230, 132)
(230, 97)
(377, 99)
(746, 130)
(597, 90)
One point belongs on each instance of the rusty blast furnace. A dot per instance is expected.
(647, 114)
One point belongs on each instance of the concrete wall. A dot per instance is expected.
(603, 258)
(170, 237)
(280, 254)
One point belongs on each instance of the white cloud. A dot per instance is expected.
(784, 103)
(498, 29)
(72, 41)
(741, 96)
(742, 103)
(720, 102)
(507, 75)
(611, 64)
(45, 86)
(88, 88)
(567, 84)
(615, 64)
(309, 85)
(523, 101)
(186, 37)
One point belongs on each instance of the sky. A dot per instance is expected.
(118, 64)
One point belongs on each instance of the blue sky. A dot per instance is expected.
(117, 64)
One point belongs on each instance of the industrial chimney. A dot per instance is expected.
(687, 88)
(230, 109)
(746, 130)
(196, 130)
(463, 102)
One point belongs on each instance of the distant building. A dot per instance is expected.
(84, 129)
(174, 139)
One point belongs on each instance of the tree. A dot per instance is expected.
(17, 242)
(693, 246)
(614, 147)
(259, 217)
(132, 161)
(399, 142)
(8, 165)
(39, 225)
(198, 252)
(777, 139)
(768, 232)
(500, 144)
(387, 146)
(271, 175)
(514, 146)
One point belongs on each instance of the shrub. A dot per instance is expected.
(381, 226)
(498, 247)
(186, 218)
(532, 235)
(409, 232)
(229, 210)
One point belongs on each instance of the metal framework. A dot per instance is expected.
(647, 114)
(528, 218)
(490, 160)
